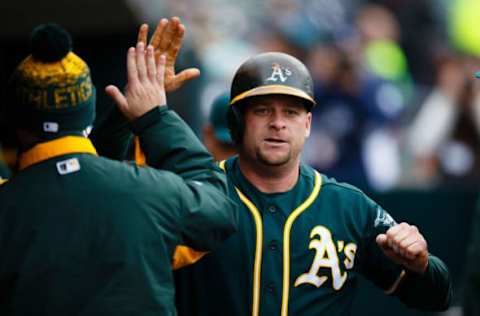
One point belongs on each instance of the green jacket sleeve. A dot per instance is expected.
(111, 134)
(169, 144)
(431, 291)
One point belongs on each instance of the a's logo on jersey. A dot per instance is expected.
(327, 256)
(279, 73)
(384, 219)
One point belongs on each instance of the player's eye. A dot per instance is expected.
(261, 110)
(291, 112)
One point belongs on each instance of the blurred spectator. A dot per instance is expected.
(216, 135)
(362, 88)
(444, 136)
(339, 120)
(422, 29)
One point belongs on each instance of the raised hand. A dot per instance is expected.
(167, 40)
(145, 87)
(405, 245)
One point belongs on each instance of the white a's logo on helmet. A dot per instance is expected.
(279, 73)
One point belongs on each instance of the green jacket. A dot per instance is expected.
(301, 253)
(85, 235)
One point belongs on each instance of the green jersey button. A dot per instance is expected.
(272, 209)
(270, 287)
(273, 245)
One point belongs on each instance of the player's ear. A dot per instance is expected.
(308, 124)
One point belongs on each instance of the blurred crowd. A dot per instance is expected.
(397, 102)
(398, 105)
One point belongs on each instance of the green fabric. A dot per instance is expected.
(110, 135)
(221, 282)
(472, 288)
(99, 241)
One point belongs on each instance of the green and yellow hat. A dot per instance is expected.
(51, 91)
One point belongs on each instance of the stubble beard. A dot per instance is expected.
(268, 160)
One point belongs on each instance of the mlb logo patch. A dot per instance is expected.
(68, 166)
(50, 127)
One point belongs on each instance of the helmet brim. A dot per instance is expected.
(273, 89)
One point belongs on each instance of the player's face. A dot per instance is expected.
(276, 127)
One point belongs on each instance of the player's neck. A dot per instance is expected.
(270, 179)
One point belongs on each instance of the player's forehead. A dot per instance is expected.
(275, 100)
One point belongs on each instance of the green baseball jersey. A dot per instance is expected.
(85, 235)
(300, 253)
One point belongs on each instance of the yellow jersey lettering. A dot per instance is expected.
(350, 251)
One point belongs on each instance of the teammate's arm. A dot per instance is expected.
(207, 215)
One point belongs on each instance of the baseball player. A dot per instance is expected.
(85, 235)
(303, 238)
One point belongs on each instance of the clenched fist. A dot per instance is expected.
(405, 245)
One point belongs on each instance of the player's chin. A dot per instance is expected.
(274, 158)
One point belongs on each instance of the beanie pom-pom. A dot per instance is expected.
(50, 42)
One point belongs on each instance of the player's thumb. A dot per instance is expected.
(117, 97)
(382, 241)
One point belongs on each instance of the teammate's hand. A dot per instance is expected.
(145, 86)
(404, 244)
(167, 40)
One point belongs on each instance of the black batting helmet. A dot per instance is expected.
(268, 73)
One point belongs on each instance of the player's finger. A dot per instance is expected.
(132, 73)
(393, 231)
(176, 42)
(396, 239)
(151, 67)
(402, 246)
(168, 35)
(143, 33)
(409, 240)
(157, 35)
(117, 97)
(381, 240)
(416, 248)
(140, 61)
(161, 70)
(188, 74)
